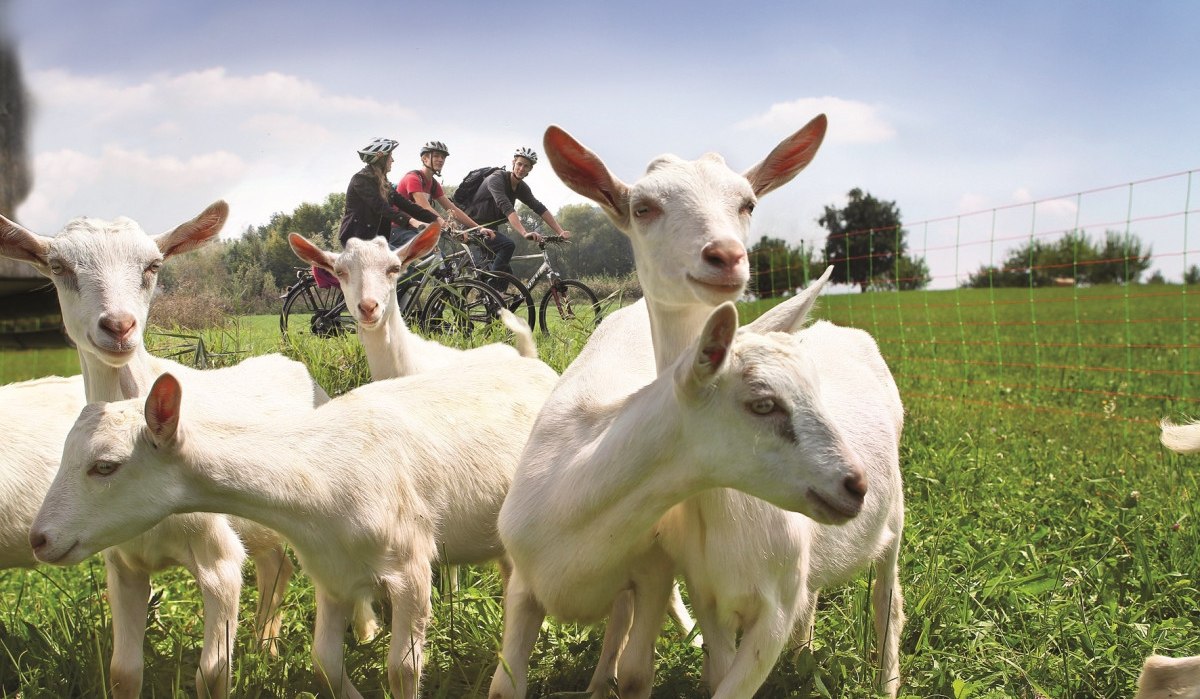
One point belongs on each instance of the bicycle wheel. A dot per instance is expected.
(460, 307)
(516, 296)
(311, 310)
(569, 304)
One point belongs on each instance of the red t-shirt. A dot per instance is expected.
(416, 181)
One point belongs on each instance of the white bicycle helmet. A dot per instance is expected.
(527, 153)
(376, 149)
(435, 147)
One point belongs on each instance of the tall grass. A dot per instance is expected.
(1051, 543)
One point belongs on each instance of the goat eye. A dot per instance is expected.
(103, 468)
(56, 268)
(748, 208)
(762, 406)
(394, 269)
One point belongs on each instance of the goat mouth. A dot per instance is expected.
(723, 288)
(61, 558)
(832, 512)
(121, 350)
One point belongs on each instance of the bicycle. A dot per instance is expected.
(431, 297)
(572, 302)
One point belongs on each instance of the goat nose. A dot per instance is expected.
(368, 307)
(724, 254)
(856, 483)
(119, 325)
(37, 540)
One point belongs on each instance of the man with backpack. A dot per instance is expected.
(420, 187)
(488, 195)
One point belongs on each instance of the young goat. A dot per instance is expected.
(419, 473)
(636, 459)
(687, 222)
(35, 417)
(1184, 439)
(1169, 678)
(368, 271)
(105, 273)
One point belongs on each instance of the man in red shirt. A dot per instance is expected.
(420, 187)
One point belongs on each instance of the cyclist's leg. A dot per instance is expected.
(399, 236)
(503, 247)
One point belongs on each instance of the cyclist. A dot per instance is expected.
(372, 204)
(493, 204)
(420, 187)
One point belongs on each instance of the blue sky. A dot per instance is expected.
(153, 110)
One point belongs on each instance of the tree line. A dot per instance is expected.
(865, 242)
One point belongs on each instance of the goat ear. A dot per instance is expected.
(788, 158)
(789, 316)
(711, 352)
(307, 251)
(162, 409)
(20, 243)
(194, 233)
(584, 172)
(420, 246)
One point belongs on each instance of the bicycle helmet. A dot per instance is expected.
(435, 147)
(376, 149)
(527, 153)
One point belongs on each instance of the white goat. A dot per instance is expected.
(1169, 678)
(419, 473)
(105, 274)
(35, 417)
(1184, 439)
(368, 271)
(687, 222)
(583, 530)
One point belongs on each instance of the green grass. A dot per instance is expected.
(1051, 543)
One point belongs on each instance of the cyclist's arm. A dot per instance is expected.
(525, 195)
(421, 199)
(409, 210)
(462, 217)
(553, 223)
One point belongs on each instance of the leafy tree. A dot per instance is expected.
(1120, 260)
(777, 268)
(865, 240)
(1191, 275)
(1075, 255)
(596, 248)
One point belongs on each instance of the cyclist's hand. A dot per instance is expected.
(533, 235)
(566, 235)
(487, 233)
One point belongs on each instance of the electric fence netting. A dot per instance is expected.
(1076, 306)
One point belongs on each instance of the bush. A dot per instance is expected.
(190, 308)
(624, 289)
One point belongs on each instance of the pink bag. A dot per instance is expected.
(324, 279)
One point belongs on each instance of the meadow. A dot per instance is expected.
(1051, 542)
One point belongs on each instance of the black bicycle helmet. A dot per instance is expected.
(527, 153)
(376, 149)
(435, 147)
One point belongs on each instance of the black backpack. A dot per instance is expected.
(470, 184)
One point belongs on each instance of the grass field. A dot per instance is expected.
(1051, 543)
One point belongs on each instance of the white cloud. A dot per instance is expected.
(849, 121)
(161, 148)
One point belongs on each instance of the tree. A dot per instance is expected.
(1191, 275)
(1074, 256)
(597, 248)
(865, 240)
(777, 268)
(1120, 260)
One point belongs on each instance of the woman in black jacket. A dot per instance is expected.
(372, 203)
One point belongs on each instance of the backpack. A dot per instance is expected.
(470, 184)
